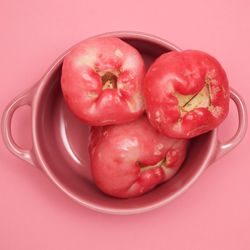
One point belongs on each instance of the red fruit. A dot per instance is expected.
(186, 93)
(101, 81)
(130, 159)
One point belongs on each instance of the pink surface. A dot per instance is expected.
(213, 214)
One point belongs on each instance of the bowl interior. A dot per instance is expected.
(63, 145)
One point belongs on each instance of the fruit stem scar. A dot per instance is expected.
(190, 100)
(109, 80)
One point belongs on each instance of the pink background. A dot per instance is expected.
(213, 214)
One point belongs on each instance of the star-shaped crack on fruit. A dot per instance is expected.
(202, 99)
(162, 163)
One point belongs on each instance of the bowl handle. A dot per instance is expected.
(20, 100)
(224, 148)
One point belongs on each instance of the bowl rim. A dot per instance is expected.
(42, 162)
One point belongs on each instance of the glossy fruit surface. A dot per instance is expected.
(101, 81)
(186, 93)
(130, 159)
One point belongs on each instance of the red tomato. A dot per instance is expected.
(101, 81)
(186, 93)
(130, 159)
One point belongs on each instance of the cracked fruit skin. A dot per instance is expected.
(186, 93)
(101, 81)
(131, 159)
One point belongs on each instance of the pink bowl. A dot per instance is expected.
(60, 140)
